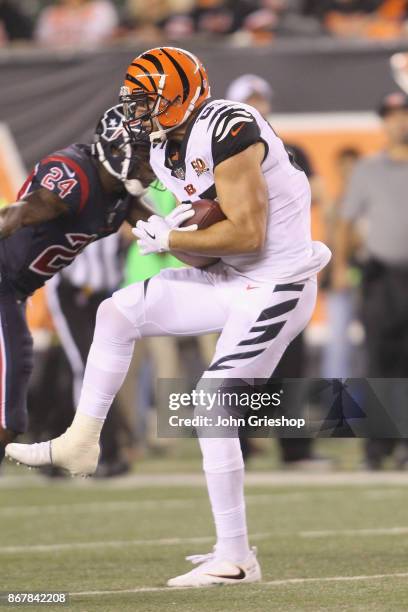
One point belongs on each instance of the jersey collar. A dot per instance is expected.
(178, 166)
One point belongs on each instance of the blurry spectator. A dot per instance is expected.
(378, 191)
(359, 18)
(14, 24)
(77, 22)
(207, 16)
(264, 18)
(148, 18)
(295, 453)
(399, 68)
(259, 19)
(214, 17)
(278, 17)
(324, 8)
(253, 90)
(337, 352)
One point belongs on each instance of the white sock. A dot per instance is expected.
(224, 471)
(108, 360)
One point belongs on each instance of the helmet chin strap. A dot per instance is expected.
(159, 134)
(134, 187)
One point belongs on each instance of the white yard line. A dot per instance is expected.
(39, 548)
(325, 533)
(95, 507)
(151, 504)
(388, 493)
(271, 583)
(114, 544)
(183, 480)
(134, 506)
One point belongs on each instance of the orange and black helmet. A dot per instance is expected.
(162, 87)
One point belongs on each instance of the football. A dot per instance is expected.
(207, 212)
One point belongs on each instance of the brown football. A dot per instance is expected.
(207, 212)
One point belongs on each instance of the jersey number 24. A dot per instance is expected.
(53, 178)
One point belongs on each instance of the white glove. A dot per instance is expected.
(179, 214)
(154, 234)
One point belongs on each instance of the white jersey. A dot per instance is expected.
(222, 129)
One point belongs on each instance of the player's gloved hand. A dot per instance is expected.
(154, 234)
(178, 215)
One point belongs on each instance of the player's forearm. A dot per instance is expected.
(222, 239)
(37, 207)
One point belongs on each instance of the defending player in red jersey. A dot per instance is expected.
(72, 198)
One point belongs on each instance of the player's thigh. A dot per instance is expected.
(259, 329)
(16, 362)
(178, 301)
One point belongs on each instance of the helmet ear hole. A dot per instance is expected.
(114, 150)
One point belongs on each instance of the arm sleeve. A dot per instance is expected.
(355, 198)
(235, 131)
(65, 178)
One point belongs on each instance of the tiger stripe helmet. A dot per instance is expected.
(162, 86)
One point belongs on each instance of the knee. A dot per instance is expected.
(113, 332)
(130, 302)
(106, 311)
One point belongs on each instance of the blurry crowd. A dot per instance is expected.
(89, 23)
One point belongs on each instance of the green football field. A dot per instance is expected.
(325, 542)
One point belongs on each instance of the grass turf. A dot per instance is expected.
(95, 537)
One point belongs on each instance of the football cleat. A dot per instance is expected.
(212, 571)
(76, 451)
(32, 455)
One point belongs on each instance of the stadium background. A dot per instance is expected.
(323, 526)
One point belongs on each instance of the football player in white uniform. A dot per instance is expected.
(259, 292)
